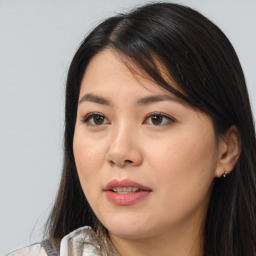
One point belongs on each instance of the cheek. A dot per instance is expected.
(89, 157)
(183, 153)
(185, 167)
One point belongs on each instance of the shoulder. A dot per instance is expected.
(32, 250)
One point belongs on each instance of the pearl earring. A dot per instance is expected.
(225, 174)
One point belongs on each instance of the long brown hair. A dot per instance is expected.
(202, 61)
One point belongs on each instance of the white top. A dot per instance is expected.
(81, 242)
(35, 249)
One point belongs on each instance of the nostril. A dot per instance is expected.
(111, 162)
(120, 163)
(128, 161)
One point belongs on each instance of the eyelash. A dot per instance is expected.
(160, 115)
(168, 118)
(87, 118)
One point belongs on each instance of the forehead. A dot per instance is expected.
(109, 71)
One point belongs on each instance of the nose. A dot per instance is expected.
(124, 149)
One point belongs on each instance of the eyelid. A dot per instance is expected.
(87, 117)
(170, 118)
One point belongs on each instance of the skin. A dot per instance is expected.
(177, 158)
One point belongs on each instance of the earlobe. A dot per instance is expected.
(229, 152)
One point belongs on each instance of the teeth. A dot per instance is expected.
(123, 190)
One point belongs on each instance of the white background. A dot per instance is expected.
(37, 42)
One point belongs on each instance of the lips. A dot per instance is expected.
(125, 192)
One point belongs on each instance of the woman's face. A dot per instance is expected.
(146, 162)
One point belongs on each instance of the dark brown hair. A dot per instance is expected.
(202, 61)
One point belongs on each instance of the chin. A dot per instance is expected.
(129, 229)
(130, 233)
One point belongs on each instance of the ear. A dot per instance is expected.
(229, 150)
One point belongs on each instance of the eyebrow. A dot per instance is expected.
(156, 98)
(143, 101)
(94, 98)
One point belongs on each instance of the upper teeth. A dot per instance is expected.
(124, 190)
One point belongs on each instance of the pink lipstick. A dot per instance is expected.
(126, 192)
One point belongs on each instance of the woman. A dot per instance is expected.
(159, 142)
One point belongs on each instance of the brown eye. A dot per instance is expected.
(95, 119)
(158, 119)
(98, 120)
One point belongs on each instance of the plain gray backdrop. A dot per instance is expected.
(37, 42)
